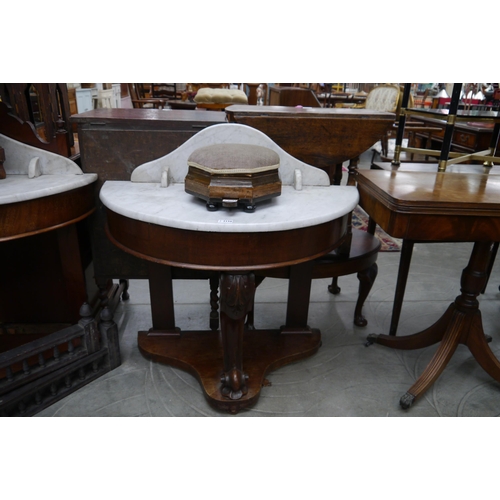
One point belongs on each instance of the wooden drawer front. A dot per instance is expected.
(464, 139)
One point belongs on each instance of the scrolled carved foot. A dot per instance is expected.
(371, 339)
(234, 384)
(406, 400)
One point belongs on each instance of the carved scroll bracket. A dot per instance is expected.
(237, 294)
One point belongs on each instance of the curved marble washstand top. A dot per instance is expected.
(41, 191)
(307, 197)
(33, 173)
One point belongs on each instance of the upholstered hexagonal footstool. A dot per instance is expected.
(229, 175)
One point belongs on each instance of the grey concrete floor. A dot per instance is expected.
(343, 379)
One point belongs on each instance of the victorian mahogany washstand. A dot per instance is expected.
(170, 228)
(433, 207)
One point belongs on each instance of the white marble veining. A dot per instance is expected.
(173, 207)
(224, 133)
(16, 188)
(34, 173)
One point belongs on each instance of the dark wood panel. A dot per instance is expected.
(28, 217)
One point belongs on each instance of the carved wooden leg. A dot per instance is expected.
(237, 292)
(334, 287)
(366, 279)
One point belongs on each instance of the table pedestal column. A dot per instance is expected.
(460, 324)
(230, 364)
(237, 294)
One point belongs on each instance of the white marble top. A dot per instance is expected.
(34, 173)
(307, 198)
(173, 207)
(16, 188)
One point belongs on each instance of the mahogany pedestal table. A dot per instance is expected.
(428, 206)
(168, 227)
(407, 245)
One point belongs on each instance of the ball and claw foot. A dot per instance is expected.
(406, 400)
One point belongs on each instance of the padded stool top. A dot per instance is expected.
(234, 159)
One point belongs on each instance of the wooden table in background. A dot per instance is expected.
(427, 206)
(323, 137)
(468, 137)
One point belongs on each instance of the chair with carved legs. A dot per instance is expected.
(358, 255)
(361, 259)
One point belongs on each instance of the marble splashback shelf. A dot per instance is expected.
(33, 173)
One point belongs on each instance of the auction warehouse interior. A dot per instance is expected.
(249, 249)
